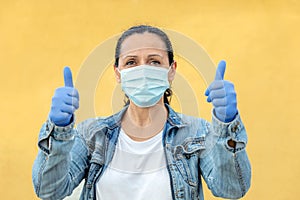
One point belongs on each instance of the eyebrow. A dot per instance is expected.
(134, 56)
(131, 56)
(150, 55)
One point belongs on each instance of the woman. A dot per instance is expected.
(147, 150)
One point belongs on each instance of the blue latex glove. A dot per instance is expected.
(64, 102)
(222, 95)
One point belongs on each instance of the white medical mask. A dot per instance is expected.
(144, 84)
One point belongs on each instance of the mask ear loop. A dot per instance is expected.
(169, 90)
(119, 70)
(125, 98)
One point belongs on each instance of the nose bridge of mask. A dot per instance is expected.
(156, 72)
(144, 71)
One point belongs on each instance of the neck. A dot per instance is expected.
(143, 117)
(140, 116)
(142, 123)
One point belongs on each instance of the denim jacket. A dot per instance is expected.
(194, 149)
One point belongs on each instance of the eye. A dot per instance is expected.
(130, 63)
(155, 62)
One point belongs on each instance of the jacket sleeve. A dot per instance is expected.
(61, 162)
(226, 170)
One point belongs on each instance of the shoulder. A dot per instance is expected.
(93, 132)
(189, 126)
(92, 126)
(180, 119)
(89, 127)
(191, 120)
(187, 121)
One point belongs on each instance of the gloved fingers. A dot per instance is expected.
(56, 115)
(66, 91)
(67, 108)
(219, 93)
(228, 97)
(62, 118)
(73, 93)
(72, 101)
(219, 102)
(218, 84)
(59, 99)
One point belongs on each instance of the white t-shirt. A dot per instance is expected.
(138, 171)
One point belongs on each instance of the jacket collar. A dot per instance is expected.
(174, 118)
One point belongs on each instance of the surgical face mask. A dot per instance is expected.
(144, 84)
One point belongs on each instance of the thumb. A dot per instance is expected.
(68, 77)
(220, 70)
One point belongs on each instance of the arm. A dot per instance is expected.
(61, 162)
(225, 165)
(225, 169)
(62, 158)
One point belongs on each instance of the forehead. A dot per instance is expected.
(144, 41)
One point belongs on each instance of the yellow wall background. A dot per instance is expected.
(259, 39)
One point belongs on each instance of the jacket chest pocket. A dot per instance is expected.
(186, 157)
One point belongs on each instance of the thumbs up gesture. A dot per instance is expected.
(222, 95)
(64, 102)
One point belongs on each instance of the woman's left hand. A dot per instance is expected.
(222, 95)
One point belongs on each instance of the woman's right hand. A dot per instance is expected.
(64, 102)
